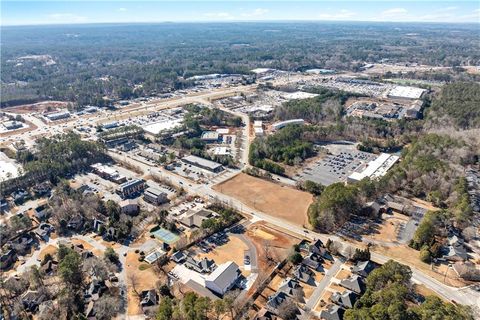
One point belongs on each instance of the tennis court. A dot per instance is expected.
(165, 235)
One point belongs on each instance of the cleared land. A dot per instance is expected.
(268, 197)
(233, 250)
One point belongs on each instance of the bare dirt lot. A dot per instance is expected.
(268, 197)
(37, 107)
(233, 250)
(138, 280)
(411, 257)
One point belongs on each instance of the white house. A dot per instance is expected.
(223, 277)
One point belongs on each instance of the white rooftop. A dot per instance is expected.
(167, 124)
(261, 70)
(406, 92)
(376, 168)
(221, 151)
(298, 95)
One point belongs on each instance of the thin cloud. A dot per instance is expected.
(341, 15)
(218, 15)
(394, 12)
(67, 18)
(256, 13)
(122, 9)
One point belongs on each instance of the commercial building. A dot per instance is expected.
(57, 115)
(195, 219)
(108, 173)
(129, 206)
(221, 151)
(258, 128)
(320, 71)
(155, 196)
(404, 92)
(223, 130)
(210, 136)
(203, 163)
(110, 125)
(161, 127)
(12, 125)
(281, 124)
(374, 169)
(223, 278)
(130, 188)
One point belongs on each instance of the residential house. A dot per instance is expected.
(275, 301)
(3, 205)
(110, 234)
(42, 189)
(32, 299)
(373, 209)
(354, 283)
(304, 274)
(22, 243)
(98, 225)
(149, 298)
(179, 257)
(332, 312)
(202, 266)
(454, 240)
(455, 253)
(43, 231)
(19, 196)
(313, 261)
(129, 206)
(318, 248)
(76, 222)
(223, 278)
(40, 212)
(7, 259)
(155, 196)
(265, 314)
(345, 300)
(95, 290)
(363, 268)
(293, 289)
(50, 267)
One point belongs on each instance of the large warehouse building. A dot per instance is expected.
(404, 92)
(374, 169)
(203, 163)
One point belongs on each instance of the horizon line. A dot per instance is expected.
(236, 21)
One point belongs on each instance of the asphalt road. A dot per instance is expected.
(465, 295)
(317, 293)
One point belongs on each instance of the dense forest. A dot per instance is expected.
(327, 106)
(54, 159)
(87, 63)
(457, 105)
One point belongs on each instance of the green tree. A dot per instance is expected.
(334, 207)
(111, 255)
(165, 309)
(70, 269)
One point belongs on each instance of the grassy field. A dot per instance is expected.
(273, 199)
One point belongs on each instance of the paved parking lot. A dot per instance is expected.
(336, 167)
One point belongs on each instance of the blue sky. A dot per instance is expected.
(66, 12)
